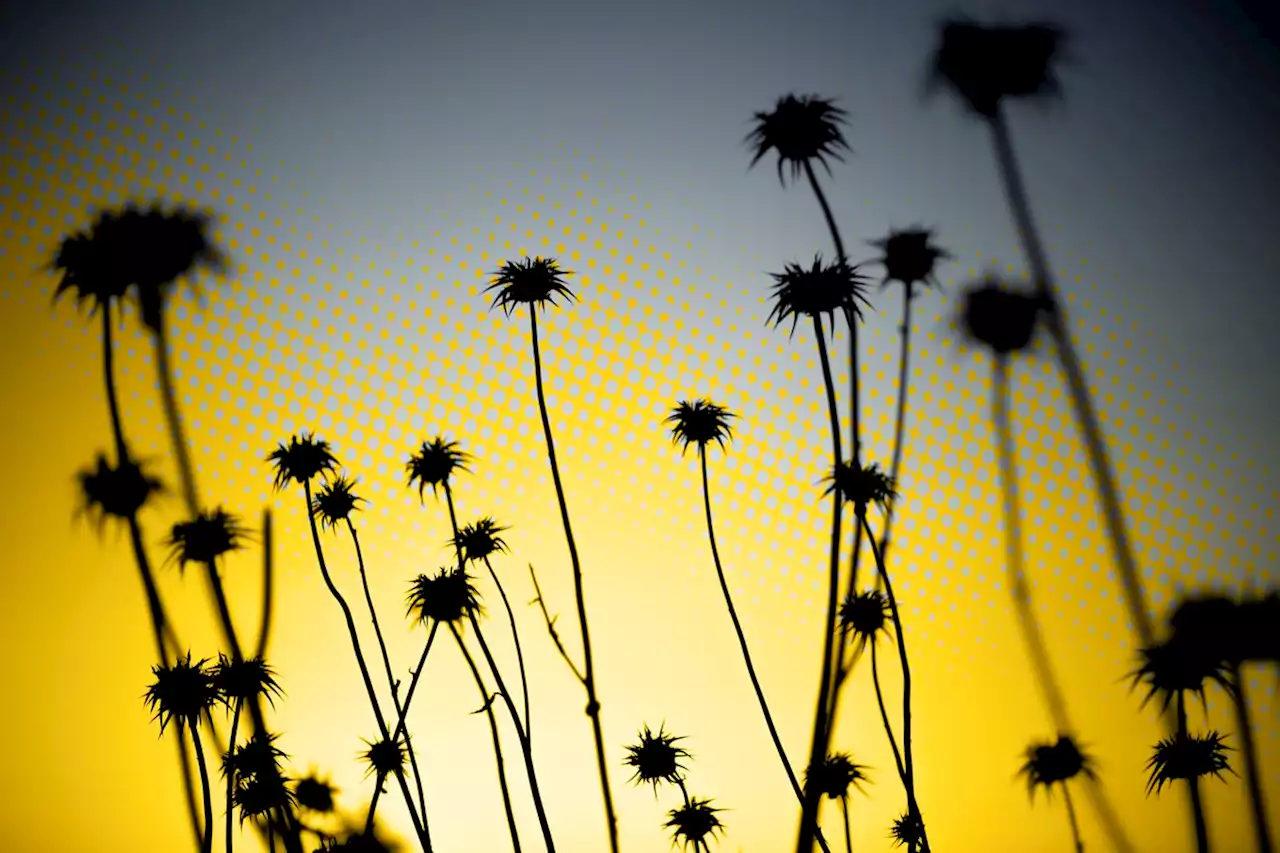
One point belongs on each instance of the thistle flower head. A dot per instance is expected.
(1050, 764)
(835, 775)
(694, 822)
(802, 130)
(1177, 666)
(258, 782)
(656, 758)
(300, 461)
(535, 282)
(447, 597)
(315, 794)
(984, 65)
(1184, 757)
(89, 271)
(205, 538)
(910, 257)
(699, 422)
(435, 463)
(334, 502)
(480, 540)
(866, 614)
(861, 485)
(384, 757)
(817, 292)
(119, 491)
(182, 692)
(907, 831)
(244, 680)
(998, 317)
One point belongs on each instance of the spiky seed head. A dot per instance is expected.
(1049, 764)
(334, 502)
(435, 463)
(802, 130)
(910, 257)
(480, 540)
(384, 757)
(817, 292)
(535, 282)
(207, 537)
(119, 491)
(245, 680)
(907, 831)
(699, 423)
(315, 794)
(1184, 757)
(836, 775)
(866, 614)
(861, 485)
(447, 597)
(694, 822)
(1177, 666)
(182, 692)
(998, 317)
(656, 758)
(301, 460)
(985, 65)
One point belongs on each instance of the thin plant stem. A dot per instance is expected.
(515, 637)
(1193, 783)
(848, 838)
(1257, 802)
(742, 643)
(809, 815)
(497, 740)
(364, 669)
(908, 761)
(900, 416)
(1014, 555)
(392, 682)
(551, 625)
(589, 679)
(268, 585)
(173, 418)
(1015, 192)
(109, 376)
(884, 713)
(534, 789)
(231, 776)
(205, 790)
(1071, 816)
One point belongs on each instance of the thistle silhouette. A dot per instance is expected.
(834, 777)
(656, 758)
(236, 683)
(694, 823)
(537, 283)
(1057, 763)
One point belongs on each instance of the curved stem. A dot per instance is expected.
(268, 585)
(848, 839)
(907, 751)
(742, 644)
(515, 636)
(186, 473)
(1071, 815)
(205, 790)
(364, 669)
(1014, 557)
(1015, 192)
(900, 417)
(884, 714)
(109, 375)
(821, 730)
(497, 740)
(231, 776)
(392, 683)
(1257, 802)
(534, 788)
(589, 680)
(1193, 783)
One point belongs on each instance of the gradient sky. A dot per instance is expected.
(385, 123)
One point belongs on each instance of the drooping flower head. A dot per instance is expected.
(301, 460)
(1183, 757)
(836, 775)
(205, 538)
(694, 822)
(817, 292)
(699, 422)
(910, 257)
(334, 502)
(861, 485)
(1056, 763)
(119, 491)
(535, 282)
(447, 597)
(984, 65)
(656, 758)
(802, 130)
(182, 692)
(479, 541)
(435, 463)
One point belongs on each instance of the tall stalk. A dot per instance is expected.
(1086, 417)
(589, 679)
(534, 789)
(231, 776)
(164, 373)
(515, 636)
(900, 415)
(1193, 782)
(907, 751)
(418, 826)
(392, 682)
(497, 740)
(1257, 802)
(205, 790)
(821, 730)
(742, 643)
(1077, 841)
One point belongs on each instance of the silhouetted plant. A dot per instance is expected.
(182, 693)
(238, 682)
(694, 823)
(315, 794)
(907, 831)
(656, 758)
(987, 66)
(834, 777)
(536, 283)
(1057, 763)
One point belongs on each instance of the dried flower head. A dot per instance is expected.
(907, 831)
(435, 463)
(866, 615)
(315, 794)
(480, 540)
(119, 491)
(694, 822)
(535, 282)
(817, 292)
(802, 129)
(1050, 764)
(334, 502)
(656, 758)
(447, 597)
(1183, 757)
(1178, 666)
(205, 538)
(699, 422)
(836, 775)
(996, 316)
(244, 680)
(984, 65)
(861, 485)
(384, 757)
(182, 692)
(910, 257)
(301, 460)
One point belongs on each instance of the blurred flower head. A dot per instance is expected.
(1050, 764)
(910, 257)
(480, 540)
(861, 485)
(836, 775)
(907, 831)
(435, 463)
(210, 535)
(984, 65)
(998, 317)
(866, 614)
(119, 491)
(315, 794)
(334, 502)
